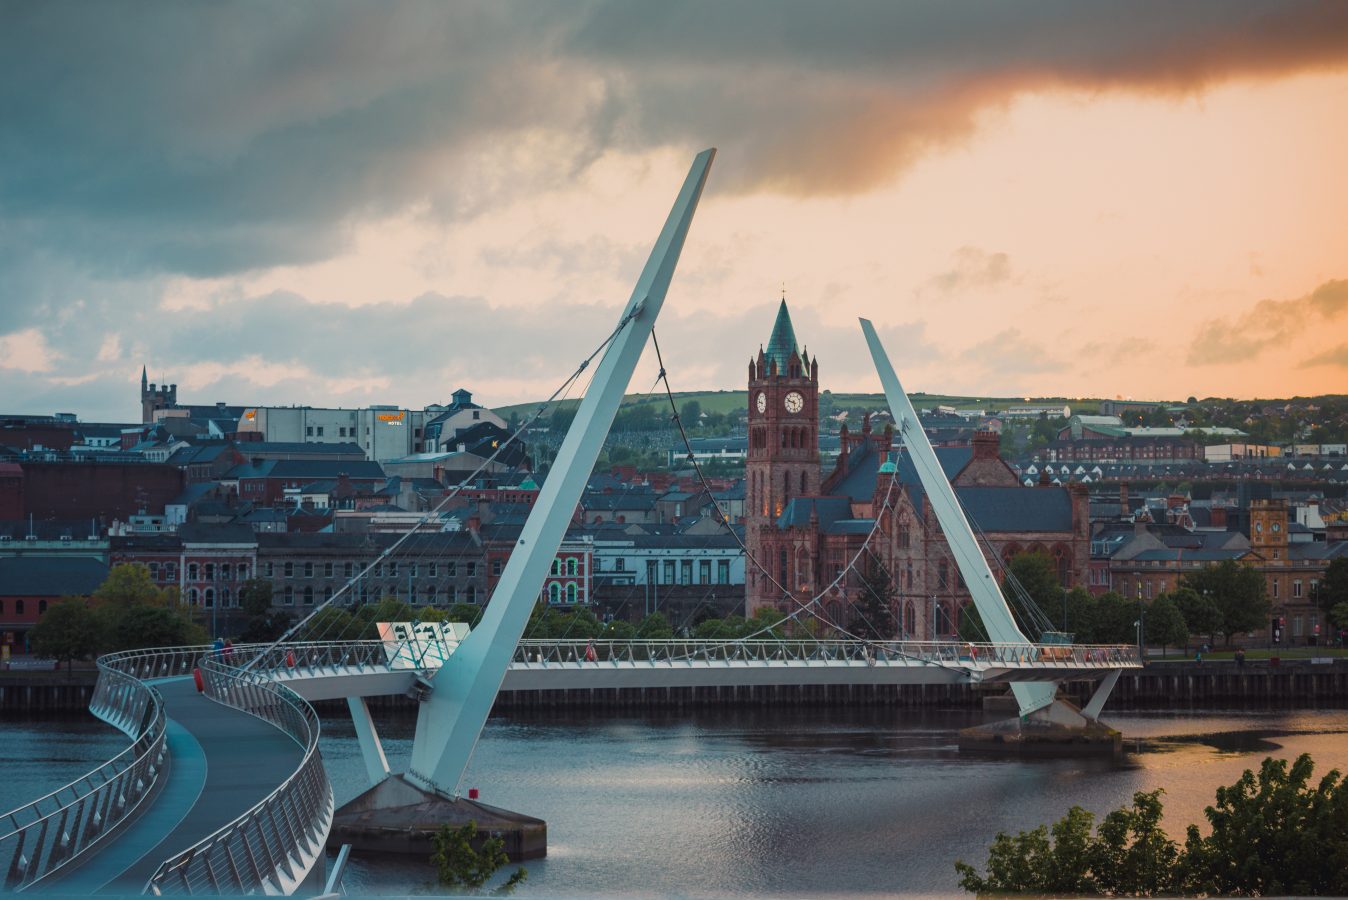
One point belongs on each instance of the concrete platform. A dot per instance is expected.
(395, 816)
(1056, 730)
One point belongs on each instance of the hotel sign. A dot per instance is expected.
(391, 418)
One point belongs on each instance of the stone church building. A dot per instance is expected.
(804, 526)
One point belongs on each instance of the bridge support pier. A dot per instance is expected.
(371, 750)
(1058, 729)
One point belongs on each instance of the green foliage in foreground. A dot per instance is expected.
(1272, 833)
(458, 865)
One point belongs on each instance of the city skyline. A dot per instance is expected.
(343, 206)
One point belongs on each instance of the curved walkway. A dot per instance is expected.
(222, 763)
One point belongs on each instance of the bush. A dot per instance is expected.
(1271, 834)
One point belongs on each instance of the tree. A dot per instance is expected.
(68, 631)
(1165, 624)
(690, 414)
(1272, 833)
(1239, 593)
(873, 612)
(1115, 619)
(1037, 576)
(654, 627)
(458, 865)
(144, 625)
(1333, 589)
(1201, 615)
(255, 597)
(128, 584)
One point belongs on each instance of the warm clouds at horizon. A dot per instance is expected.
(340, 204)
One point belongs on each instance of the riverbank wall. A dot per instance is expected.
(1170, 685)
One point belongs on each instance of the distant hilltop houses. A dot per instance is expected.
(1119, 495)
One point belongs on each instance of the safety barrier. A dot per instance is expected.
(40, 838)
(273, 846)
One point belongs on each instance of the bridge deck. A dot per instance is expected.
(223, 762)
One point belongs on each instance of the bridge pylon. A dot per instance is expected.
(451, 715)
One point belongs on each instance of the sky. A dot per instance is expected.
(333, 203)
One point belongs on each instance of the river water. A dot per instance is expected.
(803, 802)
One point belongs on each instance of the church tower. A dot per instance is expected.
(155, 397)
(783, 460)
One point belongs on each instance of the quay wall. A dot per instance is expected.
(1293, 684)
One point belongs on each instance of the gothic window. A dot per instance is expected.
(41, 606)
(943, 572)
(781, 568)
(571, 593)
(803, 488)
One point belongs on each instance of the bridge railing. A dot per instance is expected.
(687, 652)
(48, 834)
(271, 847)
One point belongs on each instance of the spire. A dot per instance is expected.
(144, 382)
(782, 344)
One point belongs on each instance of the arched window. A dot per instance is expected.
(18, 607)
(224, 597)
(154, 571)
(571, 592)
(571, 566)
(289, 596)
(288, 570)
(556, 566)
(308, 596)
(327, 593)
(191, 571)
(210, 571)
(243, 571)
(41, 607)
(803, 488)
(309, 570)
(554, 593)
(210, 597)
(224, 571)
(191, 597)
(909, 619)
(470, 594)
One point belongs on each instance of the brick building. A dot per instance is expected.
(806, 531)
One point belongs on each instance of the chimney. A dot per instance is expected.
(1123, 497)
(986, 444)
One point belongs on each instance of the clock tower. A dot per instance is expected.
(783, 459)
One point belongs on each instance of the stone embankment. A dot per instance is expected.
(1257, 685)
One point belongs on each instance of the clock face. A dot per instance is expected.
(1258, 526)
(1277, 526)
(762, 402)
(794, 402)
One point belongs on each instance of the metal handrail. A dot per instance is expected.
(331, 657)
(271, 847)
(49, 833)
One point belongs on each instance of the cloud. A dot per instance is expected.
(1336, 358)
(973, 268)
(1005, 359)
(26, 351)
(1268, 325)
(207, 140)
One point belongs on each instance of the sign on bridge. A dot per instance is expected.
(420, 645)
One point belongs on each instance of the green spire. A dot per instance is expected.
(782, 344)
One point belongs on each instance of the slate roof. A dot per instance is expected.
(863, 466)
(640, 500)
(782, 344)
(1181, 554)
(828, 510)
(223, 533)
(1009, 509)
(308, 469)
(50, 576)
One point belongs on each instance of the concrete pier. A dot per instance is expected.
(1056, 730)
(395, 816)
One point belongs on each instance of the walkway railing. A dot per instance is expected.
(962, 653)
(331, 657)
(42, 837)
(271, 847)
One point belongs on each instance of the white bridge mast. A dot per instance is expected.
(987, 596)
(464, 689)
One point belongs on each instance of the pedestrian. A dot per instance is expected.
(1240, 657)
(1198, 656)
(229, 650)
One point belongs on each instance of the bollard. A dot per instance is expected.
(196, 677)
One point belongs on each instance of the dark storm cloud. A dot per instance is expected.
(213, 138)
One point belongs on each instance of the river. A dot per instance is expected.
(756, 802)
